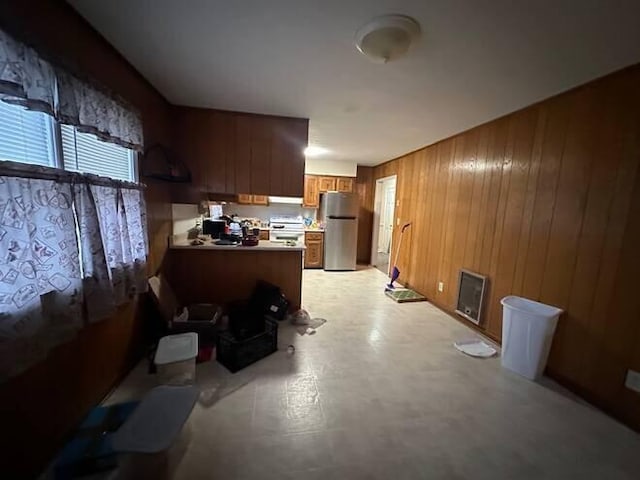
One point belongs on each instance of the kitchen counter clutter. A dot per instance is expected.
(181, 242)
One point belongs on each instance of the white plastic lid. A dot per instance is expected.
(177, 348)
(156, 422)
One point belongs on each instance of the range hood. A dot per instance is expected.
(288, 200)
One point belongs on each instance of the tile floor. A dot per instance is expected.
(378, 393)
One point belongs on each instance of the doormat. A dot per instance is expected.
(404, 295)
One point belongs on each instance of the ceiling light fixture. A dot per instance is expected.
(387, 38)
(313, 151)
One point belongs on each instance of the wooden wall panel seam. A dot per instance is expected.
(540, 133)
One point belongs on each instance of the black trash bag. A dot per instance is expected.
(269, 300)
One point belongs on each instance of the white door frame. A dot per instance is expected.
(377, 207)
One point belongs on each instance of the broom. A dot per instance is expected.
(395, 273)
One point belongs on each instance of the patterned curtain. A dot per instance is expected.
(92, 111)
(40, 280)
(25, 78)
(28, 80)
(113, 237)
(64, 237)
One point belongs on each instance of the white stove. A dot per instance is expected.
(284, 228)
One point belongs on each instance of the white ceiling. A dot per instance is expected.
(477, 60)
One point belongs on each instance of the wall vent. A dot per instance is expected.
(471, 289)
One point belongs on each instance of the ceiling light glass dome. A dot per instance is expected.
(387, 38)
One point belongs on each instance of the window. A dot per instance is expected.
(83, 152)
(35, 137)
(26, 136)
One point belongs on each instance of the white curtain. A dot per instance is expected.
(113, 238)
(40, 280)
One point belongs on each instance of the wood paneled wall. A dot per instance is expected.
(545, 202)
(365, 190)
(39, 408)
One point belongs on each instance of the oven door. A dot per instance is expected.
(281, 235)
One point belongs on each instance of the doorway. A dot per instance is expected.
(383, 218)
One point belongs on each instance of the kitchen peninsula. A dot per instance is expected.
(219, 274)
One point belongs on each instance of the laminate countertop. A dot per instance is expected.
(263, 246)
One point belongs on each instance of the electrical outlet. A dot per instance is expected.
(633, 380)
(441, 286)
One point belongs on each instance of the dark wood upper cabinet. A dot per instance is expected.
(295, 138)
(242, 143)
(191, 138)
(232, 153)
(222, 170)
(261, 138)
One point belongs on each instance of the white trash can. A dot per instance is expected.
(527, 333)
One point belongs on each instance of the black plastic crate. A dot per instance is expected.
(237, 354)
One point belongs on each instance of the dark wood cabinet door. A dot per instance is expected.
(222, 170)
(287, 156)
(242, 147)
(297, 139)
(311, 197)
(279, 159)
(261, 135)
(191, 138)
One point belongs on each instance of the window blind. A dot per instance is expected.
(83, 152)
(25, 136)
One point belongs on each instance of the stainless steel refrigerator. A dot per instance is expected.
(340, 212)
